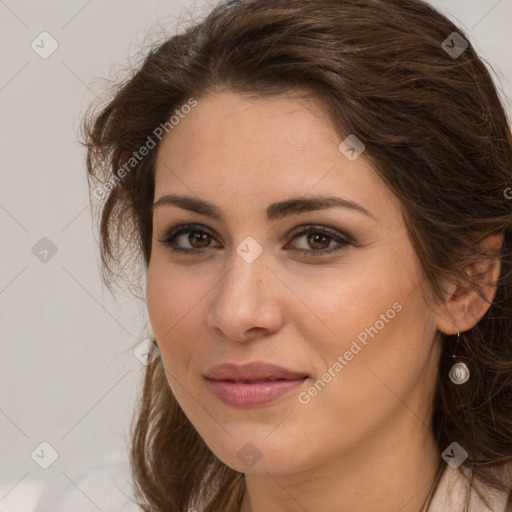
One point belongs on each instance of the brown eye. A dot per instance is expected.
(202, 239)
(318, 241)
(188, 238)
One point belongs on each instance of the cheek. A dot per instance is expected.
(167, 309)
(169, 296)
(167, 306)
(371, 317)
(157, 299)
(334, 307)
(176, 309)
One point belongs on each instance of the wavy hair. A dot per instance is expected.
(435, 131)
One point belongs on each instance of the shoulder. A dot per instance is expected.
(453, 491)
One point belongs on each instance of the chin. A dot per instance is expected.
(257, 455)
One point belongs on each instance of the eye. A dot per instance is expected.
(318, 240)
(193, 234)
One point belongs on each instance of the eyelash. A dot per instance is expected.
(344, 241)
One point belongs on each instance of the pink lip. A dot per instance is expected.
(252, 384)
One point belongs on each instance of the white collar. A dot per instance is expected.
(452, 492)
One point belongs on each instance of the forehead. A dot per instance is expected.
(262, 148)
(250, 125)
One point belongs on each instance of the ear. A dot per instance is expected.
(464, 307)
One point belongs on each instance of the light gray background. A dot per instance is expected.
(68, 373)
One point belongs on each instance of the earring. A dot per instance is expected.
(459, 373)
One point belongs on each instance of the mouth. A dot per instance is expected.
(252, 384)
(252, 372)
(251, 381)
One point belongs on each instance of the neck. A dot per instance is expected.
(394, 470)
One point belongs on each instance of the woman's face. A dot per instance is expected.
(275, 274)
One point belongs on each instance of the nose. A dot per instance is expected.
(246, 302)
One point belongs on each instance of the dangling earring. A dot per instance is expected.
(459, 372)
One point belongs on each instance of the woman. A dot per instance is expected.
(318, 191)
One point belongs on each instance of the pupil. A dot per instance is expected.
(317, 238)
(199, 237)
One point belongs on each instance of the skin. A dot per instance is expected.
(364, 442)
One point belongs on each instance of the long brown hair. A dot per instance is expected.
(434, 129)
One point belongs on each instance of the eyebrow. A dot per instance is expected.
(292, 206)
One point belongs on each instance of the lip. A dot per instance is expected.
(253, 384)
